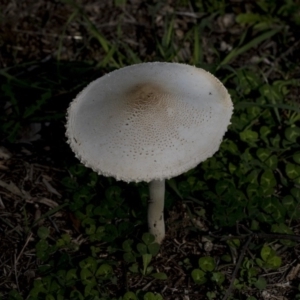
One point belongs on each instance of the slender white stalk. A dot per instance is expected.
(156, 203)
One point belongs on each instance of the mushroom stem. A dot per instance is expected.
(156, 221)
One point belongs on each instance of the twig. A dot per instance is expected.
(27, 241)
(280, 236)
(147, 285)
(54, 224)
(283, 55)
(237, 267)
(1, 203)
(16, 259)
(16, 274)
(251, 236)
(11, 187)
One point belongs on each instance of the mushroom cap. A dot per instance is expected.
(149, 121)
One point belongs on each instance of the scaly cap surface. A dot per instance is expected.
(149, 121)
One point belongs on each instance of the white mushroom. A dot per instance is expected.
(149, 122)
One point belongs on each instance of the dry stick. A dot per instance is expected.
(250, 237)
(283, 55)
(16, 273)
(27, 240)
(238, 264)
(280, 236)
(16, 259)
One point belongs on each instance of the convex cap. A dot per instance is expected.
(149, 121)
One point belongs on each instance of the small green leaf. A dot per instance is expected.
(146, 261)
(296, 193)
(263, 154)
(98, 235)
(276, 141)
(141, 248)
(272, 162)
(111, 232)
(113, 193)
(148, 238)
(88, 262)
(252, 272)
(234, 243)
(148, 270)
(249, 136)
(129, 257)
(292, 133)
(13, 295)
(151, 296)
(296, 158)
(211, 295)
(86, 275)
(134, 268)
(43, 232)
(264, 131)
(273, 94)
(218, 277)
(267, 179)
(154, 248)
(87, 222)
(232, 168)
(261, 283)
(264, 218)
(222, 186)
(89, 290)
(124, 227)
(71, 274)
(273, 207)
(76, 295)
(259, 262)
(207, 263)
(126, 246)
(273, 262)
(231, 147)
(288, 202)
(267, 252)
(252, 189)
(42, 245)
(199, 276)
(90, 229)
(282, 228)
(254, 225)
(292, 171)
(104, 270)
(130, 296)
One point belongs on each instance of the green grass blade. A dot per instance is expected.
(106, 60)
(198, 54)
(50, 212)
(238, 51)
(167, 38)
